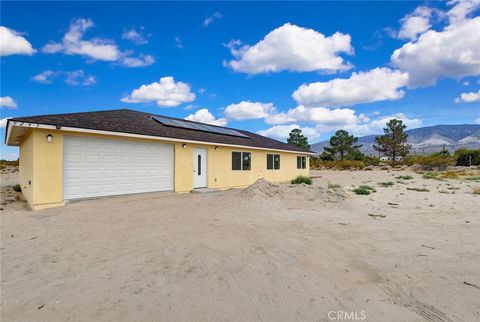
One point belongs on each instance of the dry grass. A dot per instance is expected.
(476, 191)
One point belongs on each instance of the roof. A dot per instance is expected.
(140, 123)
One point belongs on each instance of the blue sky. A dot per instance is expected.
(265, 67)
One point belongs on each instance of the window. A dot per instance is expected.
(241, 160)
(236, 160)
(273, 161)
(199, 159)
(246, 160)
(269, 161)
(301, 162)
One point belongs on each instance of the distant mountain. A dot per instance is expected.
(426, 140)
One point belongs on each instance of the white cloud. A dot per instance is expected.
(209, 19)
(453, 52)
(165, 92)
(461, 10)
(477, 120)
(72, 78)
(78, 78)
(140, 61)
(247, 110)
(95, 48)
(138, 37)
(8, 102)
(470, 97)
(178, 42)
(12, 43)
(45, 77)
(204, 116)
(376, 126)
(415, 23)
(293, 48)
(282, 132)
(3, 122)
(318, 115)
(378, 84)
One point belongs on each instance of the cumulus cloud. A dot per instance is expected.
(281, 132)
(318, 115)
(72, 78)
(376, 126)
(461, 9)
(453, 52)
(137, 36)
(166, 93)
(378, 84)
(292, 48)
(210, 18)
(470, 97)
(7, 102)
(247, 110)
(13, 43)
(204, 116)
(415, 23)
(73, 43)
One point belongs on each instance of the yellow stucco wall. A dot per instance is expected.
(42, 163)
(26, 167)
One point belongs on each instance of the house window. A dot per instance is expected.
(301, 162)
(273, 161)
(241, 160)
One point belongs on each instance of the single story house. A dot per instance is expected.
(82, 155)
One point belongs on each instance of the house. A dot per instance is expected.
(81, 155)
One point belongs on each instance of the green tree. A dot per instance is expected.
(344, 144)
(297, 138)
(393, 142)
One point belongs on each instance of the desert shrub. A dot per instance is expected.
(334, 186)
(434, 162)
(364, 190)
(302, 179)
(314, 163)
(404, 177)
(325, 156)
(464, 156)
(368, 160)
(475, 178)
(386, 184)
(10, 163)
(430, 175)
(419, 189)
(17, 188)
(476, 191)
(345, 164)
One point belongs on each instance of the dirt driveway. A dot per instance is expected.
(267, 253)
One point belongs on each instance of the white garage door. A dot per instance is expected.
(95, 167)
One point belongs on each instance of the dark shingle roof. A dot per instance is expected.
(135, 122)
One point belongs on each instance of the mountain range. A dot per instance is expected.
(426, 140)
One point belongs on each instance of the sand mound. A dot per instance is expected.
(293, 192)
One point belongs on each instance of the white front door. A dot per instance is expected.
(199, 168)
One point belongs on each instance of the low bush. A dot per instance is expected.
(364, 190)
(466, 156)
(386, 184)
(419, 189)
(17, 188)
(302, 179)
(343, 165)
(434, 162)
(333, 186)
(476, 191)
(404, 177)
(431, 175)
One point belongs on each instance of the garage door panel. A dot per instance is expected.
(102, 167)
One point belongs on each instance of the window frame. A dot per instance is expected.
(242, 159)
(301, 162)
(274, 156)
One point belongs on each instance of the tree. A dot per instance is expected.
(297, 138)
(393, 142)
(344, 144)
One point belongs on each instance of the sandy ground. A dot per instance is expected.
(267, 253)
